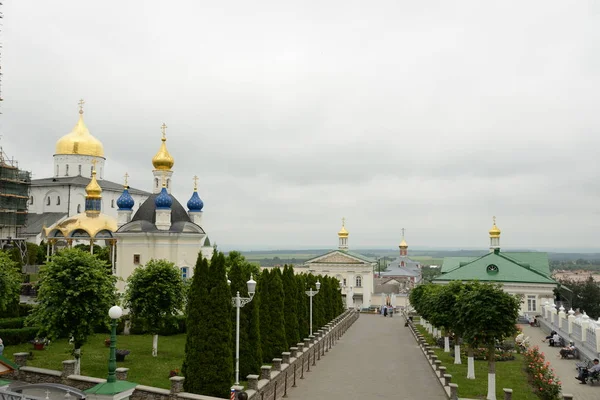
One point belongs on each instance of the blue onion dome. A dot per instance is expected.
(195, 203)
(163, 201)
(125, 201)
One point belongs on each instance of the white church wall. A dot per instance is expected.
(77, 165)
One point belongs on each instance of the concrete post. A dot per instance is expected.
(294, 352)
(567, 396)
(507, 394)
(442, 371)
(300, 348)
(285, 357)
(176, 383)
(276, 364)
(307, 343)
(252, 382)
(437, 364)
(453, 391)
(21, 359)
(68, 368)
(265, 372)
(447, 379)
(121, 374)
(571, 319)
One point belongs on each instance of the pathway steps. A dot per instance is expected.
(377, 358)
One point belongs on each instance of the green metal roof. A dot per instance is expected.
(498, 267)
(111, 388)
(4, 382)
(8, 362)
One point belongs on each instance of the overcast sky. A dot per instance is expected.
(428, 115)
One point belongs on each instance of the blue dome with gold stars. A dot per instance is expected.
(195, 203)
(163, 201)
(125, 201)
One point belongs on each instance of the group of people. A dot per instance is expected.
(387, 310)
(585, 372)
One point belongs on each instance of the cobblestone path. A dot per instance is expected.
(377, 358)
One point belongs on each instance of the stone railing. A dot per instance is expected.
(451, 389)
(272, 384)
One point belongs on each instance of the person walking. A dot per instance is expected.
(385, 311)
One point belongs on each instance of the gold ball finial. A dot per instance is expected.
(495, 231)
(195, 183)
(81, 103)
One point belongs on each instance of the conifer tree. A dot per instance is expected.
(277, 337)
(291, 306)
(302, 307)
(196, 341)
(250, 346)
(264, 314)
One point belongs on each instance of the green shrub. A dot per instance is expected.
(173, 326)
(25, 309)
(12, 323)
(18, 336)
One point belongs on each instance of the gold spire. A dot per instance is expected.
(93, 189)
(495, 231)
(195, 183)
(79, 140)
(125, 185)
(343, 232)
(163, 161)
(403, 242)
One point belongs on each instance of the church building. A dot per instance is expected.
(523, 273)
(354, 270)
(161, 228)
(63, 195)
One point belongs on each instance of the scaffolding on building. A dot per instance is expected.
(14, 199)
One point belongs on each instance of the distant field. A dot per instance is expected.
(428, 260)
(283, 256)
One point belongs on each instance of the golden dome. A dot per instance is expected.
(495, 231)
(403, 243)
(80, 141)
(93, 189)
(163, 161)
(343, 232)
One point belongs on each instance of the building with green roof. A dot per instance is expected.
(523, 273)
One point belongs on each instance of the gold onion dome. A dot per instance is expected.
(343, 232)
(93, 189)
(403, 243)
(79, 140)
(163, 161)
(495, 231)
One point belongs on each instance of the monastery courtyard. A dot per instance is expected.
(377, 358)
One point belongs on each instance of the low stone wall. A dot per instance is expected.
(272, 384)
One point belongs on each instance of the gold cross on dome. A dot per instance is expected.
(163, 129)
(94, 163)
(195, 182)
(126, 176)
(402, 232)
(81, 103)
(343, 221)
(494, 218)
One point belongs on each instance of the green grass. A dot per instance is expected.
(509, 374)
(143, 368)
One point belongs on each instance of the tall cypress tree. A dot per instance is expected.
(218, 374)
(302, 307)
(196, 344)
(264, 314)
(276, 307)
(291, 306)
(250, 346)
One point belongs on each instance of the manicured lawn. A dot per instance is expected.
(143, 368)
(509, 374)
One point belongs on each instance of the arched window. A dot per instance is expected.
(358, 281)
(79, 170)
(78, 208)
(58, 200)
(168, 180)
(402, 264)
(184, 273)
(57, 170)
(112, 203)
(48, 201)
(31, 200)
(156, 182)
(67, 170)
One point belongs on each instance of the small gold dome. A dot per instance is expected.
(163, 161)
(80, 141)
(343, 232)
(403, 243)
(495, 231)
(93, 189)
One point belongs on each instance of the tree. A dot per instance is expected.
(240, 272)
(10, 282)
(262, 292)
(291, 306)
(277, 336)
(75, 292)
(583, 295)
(155, 295)
(302, 305)
(489, 314)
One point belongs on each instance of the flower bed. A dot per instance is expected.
(481, 354)
(541, 376)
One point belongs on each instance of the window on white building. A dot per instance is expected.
(531, 303)
(31, 200)
(359, 281)
(79, 170)
(57, 170)
(184, 273)
(58, 200)
(78, 208)
(112, 203)
(48, 201)
(67, 170)
(136, 259)
(344, 282)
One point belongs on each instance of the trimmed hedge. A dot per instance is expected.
(18, 336)
(12, 323)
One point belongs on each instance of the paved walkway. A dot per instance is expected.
(564, 369)
(377, 358)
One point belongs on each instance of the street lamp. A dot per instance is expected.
(310, 294)
(239, 302)
(114, 313)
